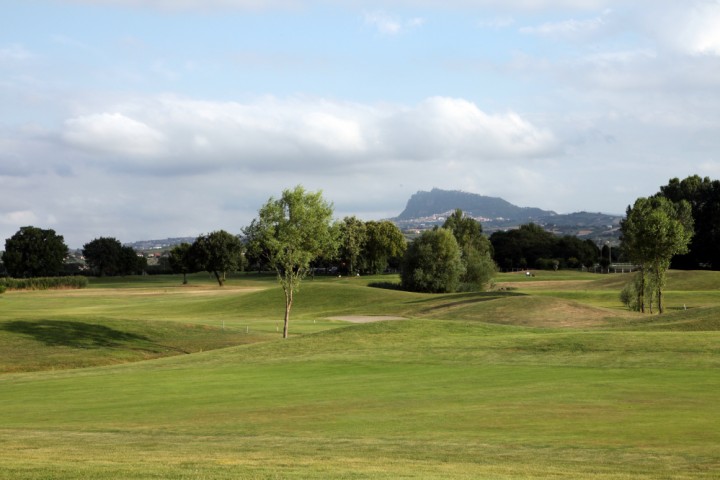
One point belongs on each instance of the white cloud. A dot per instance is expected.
(113, 133)
(389, 25)
(571, 28)
(275, 134)
(496, 22)
(451, 128)
(691, 28)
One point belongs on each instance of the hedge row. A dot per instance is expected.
(42, 283)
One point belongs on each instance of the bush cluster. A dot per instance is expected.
(43, 283)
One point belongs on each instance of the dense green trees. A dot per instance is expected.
(432, 263)
(531, 246)
(383, 241)
(182, 260)
(703, 195)
(34, 252)
(352, 236)
(653, 231)
(218, 252)
(291, 232)
(106, 256)
(475, 250)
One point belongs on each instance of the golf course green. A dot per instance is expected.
(542, 377)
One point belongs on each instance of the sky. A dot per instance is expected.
(147, 119)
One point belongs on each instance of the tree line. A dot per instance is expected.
(295, 235)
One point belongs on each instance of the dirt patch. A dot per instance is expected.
(546, 284)
(366, 318)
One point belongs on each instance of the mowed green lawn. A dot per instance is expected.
(548, 377)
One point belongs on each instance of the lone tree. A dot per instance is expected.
(432, 263)
(218, 252)
(654, 230)
(292, 231)
(34, 252)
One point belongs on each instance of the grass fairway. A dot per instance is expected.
(538, 381)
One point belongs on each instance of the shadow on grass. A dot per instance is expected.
(72, 334)
(386, 285)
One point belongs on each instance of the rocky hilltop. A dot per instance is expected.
(427, 209)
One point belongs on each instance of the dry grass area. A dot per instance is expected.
(195, 290)
(549, 285)
(547, 312)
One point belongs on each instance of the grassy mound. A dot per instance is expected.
(548, 379)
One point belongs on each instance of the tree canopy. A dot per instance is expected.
(475, 250)
(353, 234)
(291, 232)
(218, 252)
(531, 246)
(653, 231)
(182, 260)
(34, 252)
(432, 263)
(383, 241)
(107, 256)
(703, 195)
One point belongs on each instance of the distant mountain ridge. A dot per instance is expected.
(437, 201)
(427, 209)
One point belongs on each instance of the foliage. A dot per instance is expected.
(433, 263)
(43, 283)
(181, 260)
(654, 230)
(107, 256)
(523, 247)
(353, 233)
(475, 248)
(638, 290)
(34, 252)
(703, 195)
(292, 231)
(383, 242)
(218, 252)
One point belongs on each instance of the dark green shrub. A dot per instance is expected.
(44, 283)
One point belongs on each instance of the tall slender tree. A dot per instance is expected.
(291, 232)
(352, 236)
(654, 230)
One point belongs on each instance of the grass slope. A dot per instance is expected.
(460, 390)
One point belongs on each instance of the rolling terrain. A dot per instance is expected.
(543, 377)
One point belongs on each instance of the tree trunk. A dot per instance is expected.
(661, 307)
(288, 306)
(219, 278)
(184, 278)
(641, 291)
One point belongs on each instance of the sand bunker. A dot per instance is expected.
(366, 318)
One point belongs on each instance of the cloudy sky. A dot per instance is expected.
(143, 119)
